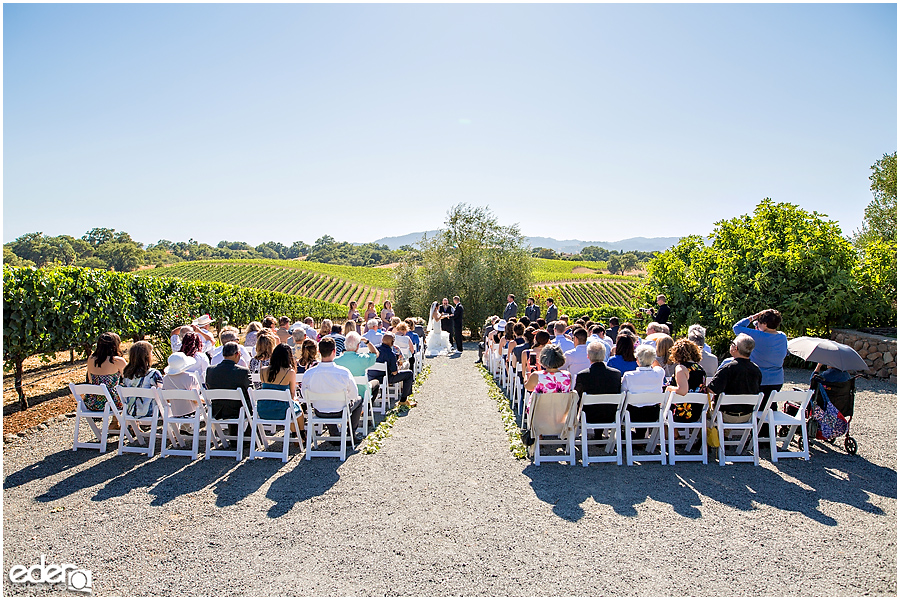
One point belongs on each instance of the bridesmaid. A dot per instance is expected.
(370, 312)
(353, 314)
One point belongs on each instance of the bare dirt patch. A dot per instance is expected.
(583, 270)
(387, 266)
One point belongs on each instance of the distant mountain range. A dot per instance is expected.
(569, 246)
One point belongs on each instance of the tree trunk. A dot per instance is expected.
(72, 355)
(19, 389)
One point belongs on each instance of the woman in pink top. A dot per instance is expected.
(551, 379)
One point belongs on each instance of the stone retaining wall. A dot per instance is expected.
(879, 352)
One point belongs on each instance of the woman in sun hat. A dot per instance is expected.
(180, 377)
(200, 326)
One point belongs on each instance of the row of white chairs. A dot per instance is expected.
(161, 423)
(559, 419)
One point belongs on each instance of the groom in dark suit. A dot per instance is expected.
(458, 312)
(446, 318)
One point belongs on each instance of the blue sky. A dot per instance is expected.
(288, 122)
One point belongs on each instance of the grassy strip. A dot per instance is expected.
(374, 440)
(506, 414)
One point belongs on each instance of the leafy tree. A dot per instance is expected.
(628, 261)
(298, 249)
(12, 260)
(781, 257)
(98, 236)
(594, 253)
(121, 256)
(880, 221)
(541, 252)
(473, 257)
(876, 275)
(614, 265)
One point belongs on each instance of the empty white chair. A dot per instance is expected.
(746, 429)
(777, 420)
(693, 429)
(258, 424)
(553, 416)
(145, 412)
(388, 392)
(81, 412)
(612, 429)
(368, 414)
(171, 423)
(218, 442)
(656, 428)
(315, 426)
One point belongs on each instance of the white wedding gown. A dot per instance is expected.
(438, 342)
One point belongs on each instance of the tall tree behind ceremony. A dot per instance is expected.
(473, 257)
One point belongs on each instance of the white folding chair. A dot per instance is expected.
(501, 366)
(656, 429)
(518, 387)
(368, 415)
(553, 415)
(81, 412)
(315, 426)
(255, 377)
(127, 421)
(746, 429)
(259, 424)
(778, 419)
(612, 429)
(171, 423)
(692, 430)
(389, 392)
(218, 443)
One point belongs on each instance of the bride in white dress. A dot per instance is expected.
(438, 342)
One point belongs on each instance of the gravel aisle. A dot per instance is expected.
(444, 509)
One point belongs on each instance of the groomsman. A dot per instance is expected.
(512, 309)
(532, 311)
(458, 322)
(551, 311)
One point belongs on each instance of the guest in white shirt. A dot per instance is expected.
(190, 346)
(373, 333)
(577, 359)
(561, 340)
(645, 379)
(177, 334)
(329, 378)
(230, 334)
(200, 326)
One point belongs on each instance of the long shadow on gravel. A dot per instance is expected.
(306, 480)
(49, 466)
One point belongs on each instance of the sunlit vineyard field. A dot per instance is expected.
(612, 292)
(547, 270)
(332, 283)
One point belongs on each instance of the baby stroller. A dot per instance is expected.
(842, 396)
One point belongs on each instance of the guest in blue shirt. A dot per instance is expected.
(386, 355)
(624, 360)
(830, 374)
(770, 349)
(417, 342)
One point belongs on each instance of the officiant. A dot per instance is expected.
(446, 312)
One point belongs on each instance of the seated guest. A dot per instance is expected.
(528, 336)
(228, 374)
(551, 378)
(663, 348)
(311, 331)
(506, 341)
(330, 378)
(644, 379)
(577, 359)
(265, 345)
(105, 367)
(708, 360)
(177, 334)
(229, 334)
(404, 344)
(598, 379)
(624, 360)
(373, 332)
(349, 326)
(613, 332)
(598, 333)
(190, 346)
(252, 330)
(280, 374)
(271, 323)
(324, 329)
(411, 333)
(394, 322)
(488, 331)
(822, 371)
(541, 339)
(654, 332)
(418, 328)
(395, 374)
(138, 373)
(518, 333)
(689, 378)
(180, 377)
(357, 360)
(736, 377)
(282, 331)
(541, 323)
(306, 358)
(298, 335)
(559, 328)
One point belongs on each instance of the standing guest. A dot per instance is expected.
(663, 314)
(737, 377)
(552, 378)
(138, 373)
(613, 332)
(308, 353)
(644, 379)
(458, 312)
(105, 367)
(531, 310)
(370, 313)
(512, 309)
(770, 348)
(353, 315)
(689, 378)
(228, 374)
(395, 374)
(282, 331)
(663, 348)
(265, 345)
(559, 328)
(577, 359)
(229, 334)
(190, 346)
(373, 332)
(551, 311)
(356, 359)
(330, 378)
(708, 360)
(387, 313)
(252, 330)
(598, 378)
(624, 360)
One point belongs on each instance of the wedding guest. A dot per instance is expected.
(177, 334)
(613, 332)
(270, 323)
(373, 332)
(395, 374)
(663, 347)
(412, 334)
(643, 379)
(770, 348)
(577, 359)
(191, 347)
(598, 379)
(559, 328)
(308, 354)
(624, 359)
(265, 345)
(328, 377)
(282, 331)
(252, 330)
(138, 373)
(737, 377)
(357, 360)
(105, 367)
(552, 378)
(689, 377)
(709, 361)
(229, 334)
